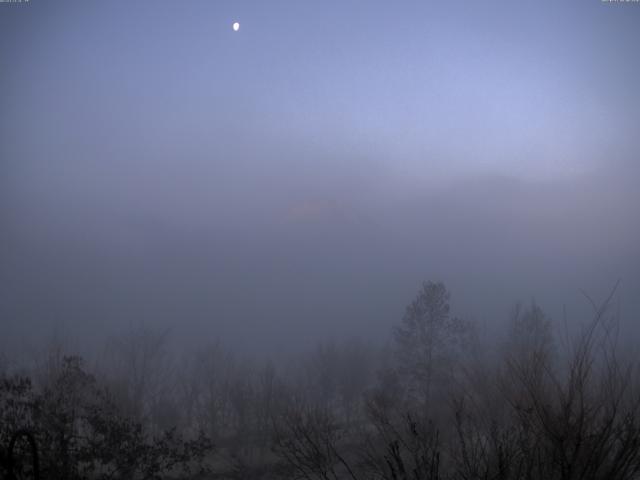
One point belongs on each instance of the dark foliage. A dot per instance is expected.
(81, 434)
(437, 410)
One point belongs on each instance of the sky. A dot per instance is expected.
(297, 180)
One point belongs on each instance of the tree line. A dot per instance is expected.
(438, 402)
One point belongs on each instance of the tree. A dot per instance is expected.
(530, 335)
(81, 432)
(429, 342)
(140, 372)
(311, 443)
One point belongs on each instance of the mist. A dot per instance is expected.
(233, 233)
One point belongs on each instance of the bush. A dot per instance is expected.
(81, 434)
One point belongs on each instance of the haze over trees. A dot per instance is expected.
(360, 240)
(437, 403)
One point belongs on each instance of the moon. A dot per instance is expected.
(236, 26)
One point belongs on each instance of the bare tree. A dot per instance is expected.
(312, 443)
(139, 370)
(530, 336)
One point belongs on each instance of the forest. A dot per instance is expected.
(436, 402)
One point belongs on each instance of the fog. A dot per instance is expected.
(297, 181)
(350, 239)
(259, 271)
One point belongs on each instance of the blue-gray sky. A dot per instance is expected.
(304, 174)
